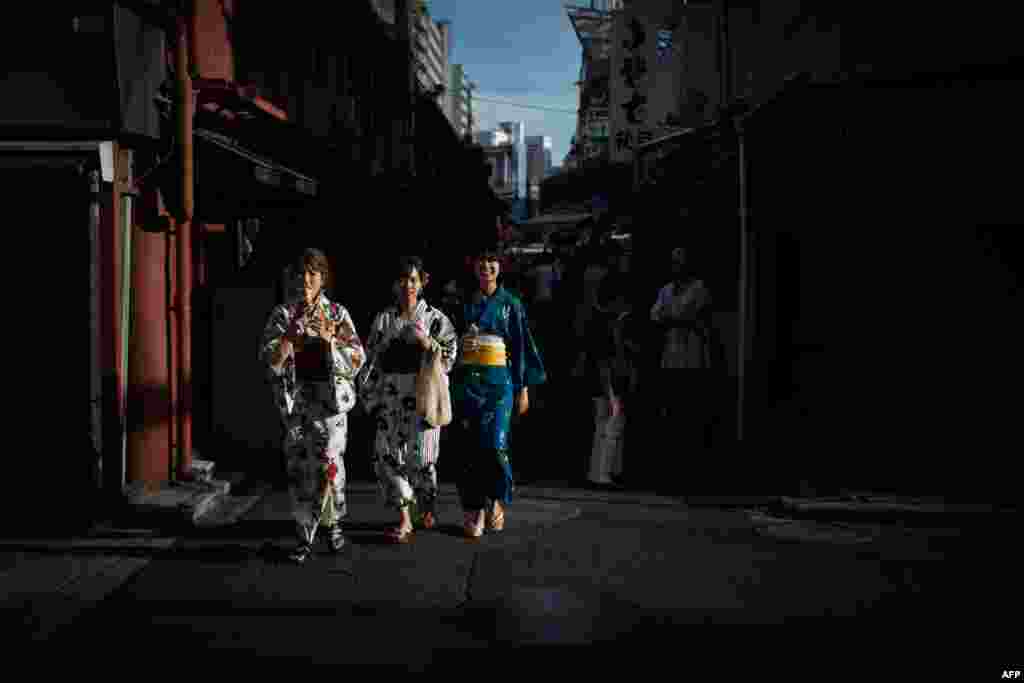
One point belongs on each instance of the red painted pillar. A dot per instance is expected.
(172, 344)
(110, 336)
(149, 422)
(183, 251)
(184, 305)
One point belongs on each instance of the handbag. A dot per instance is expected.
(433, 399)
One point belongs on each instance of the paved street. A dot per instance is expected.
(592, 573)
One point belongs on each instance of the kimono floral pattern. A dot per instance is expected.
(314, 414)
(347, 357)
(406, 447)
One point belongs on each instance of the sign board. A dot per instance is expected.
(644, 75)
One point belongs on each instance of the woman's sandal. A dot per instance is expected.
(301, 553)
(399, 534)
(473, 524)
(496, 517)
(335, 539)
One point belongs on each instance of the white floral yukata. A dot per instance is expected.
(314, 413)
(406, 447)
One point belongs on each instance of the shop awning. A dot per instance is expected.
(233, 180)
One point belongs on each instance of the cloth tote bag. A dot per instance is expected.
(433, 400)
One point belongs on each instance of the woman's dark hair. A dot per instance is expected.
(486, 248)
(406, 264)
(404, 267)
(313, 260)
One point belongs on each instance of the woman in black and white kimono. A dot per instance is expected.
(406, 447)
(312, 355)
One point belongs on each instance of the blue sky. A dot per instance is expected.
(521, 51)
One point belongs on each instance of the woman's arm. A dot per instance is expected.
(696, 301)
(275, 347)
(348, 351)
(525, 361)
(658, 310)
(445, 341)
(376, 341)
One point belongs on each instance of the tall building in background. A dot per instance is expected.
(493, 138)
(538, 158)
(593, 26)
(498, 152)
(516, 131)
(457, 101)
(431, 47)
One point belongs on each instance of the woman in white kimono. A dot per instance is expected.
(312, 353)
(406, 447)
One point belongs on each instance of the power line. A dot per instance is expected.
(527, 106)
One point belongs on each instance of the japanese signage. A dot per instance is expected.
(633, 58)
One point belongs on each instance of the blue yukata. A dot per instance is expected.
(483, 398)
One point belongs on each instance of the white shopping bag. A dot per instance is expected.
(433, 399)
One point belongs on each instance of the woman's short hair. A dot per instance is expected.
(406, 265)
(485, 247)
(315, 261)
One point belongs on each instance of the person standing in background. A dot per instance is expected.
(614, 347)
(680, 311)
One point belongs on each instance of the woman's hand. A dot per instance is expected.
(294, 332)
(283, 350)
(522, 401)
(615, 406)
(417, 334)
(345, 332)
(328, 330)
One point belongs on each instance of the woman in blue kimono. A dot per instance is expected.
(498, 361)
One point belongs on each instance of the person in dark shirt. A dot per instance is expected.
(613, 346)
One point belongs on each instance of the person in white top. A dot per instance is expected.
(685, 356)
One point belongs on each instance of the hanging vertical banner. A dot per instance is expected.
(633, 58)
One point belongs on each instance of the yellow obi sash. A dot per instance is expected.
(490, 351)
